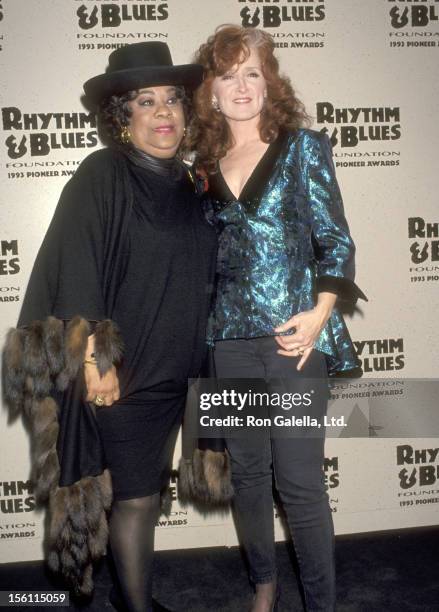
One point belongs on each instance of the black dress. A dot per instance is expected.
(130, 245)
(161, 310)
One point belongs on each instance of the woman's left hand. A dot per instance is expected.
(308, 325)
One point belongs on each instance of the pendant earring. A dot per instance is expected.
(125, 136)
(215, 105)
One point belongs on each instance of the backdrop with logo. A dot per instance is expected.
(367, 72)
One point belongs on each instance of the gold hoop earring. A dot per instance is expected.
(125, 136)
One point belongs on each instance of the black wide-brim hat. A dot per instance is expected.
(141, 65)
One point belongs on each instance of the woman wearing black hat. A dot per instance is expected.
(127, 259)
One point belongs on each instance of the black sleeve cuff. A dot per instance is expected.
(346, 290)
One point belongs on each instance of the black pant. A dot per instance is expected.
(297, 465)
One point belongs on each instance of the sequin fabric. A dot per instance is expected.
(286, 230)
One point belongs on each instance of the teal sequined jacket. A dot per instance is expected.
(283, 241)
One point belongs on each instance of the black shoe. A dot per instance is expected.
(118, 603)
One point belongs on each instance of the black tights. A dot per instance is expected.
(132, 525)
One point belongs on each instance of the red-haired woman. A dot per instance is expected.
(285, 258)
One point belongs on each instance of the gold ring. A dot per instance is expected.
(99, 400)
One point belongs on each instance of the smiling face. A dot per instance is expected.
(241, 91)
(156, 124)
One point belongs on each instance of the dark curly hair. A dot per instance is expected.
(209, 133)
(114, 112)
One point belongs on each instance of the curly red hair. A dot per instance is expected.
(209, 134)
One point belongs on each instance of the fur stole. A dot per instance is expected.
(36, 359)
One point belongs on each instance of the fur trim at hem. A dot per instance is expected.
(205, 479)
(78, 531)
(36, 359)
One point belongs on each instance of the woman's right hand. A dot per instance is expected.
(106, 387)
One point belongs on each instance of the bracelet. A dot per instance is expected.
(90, 361)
